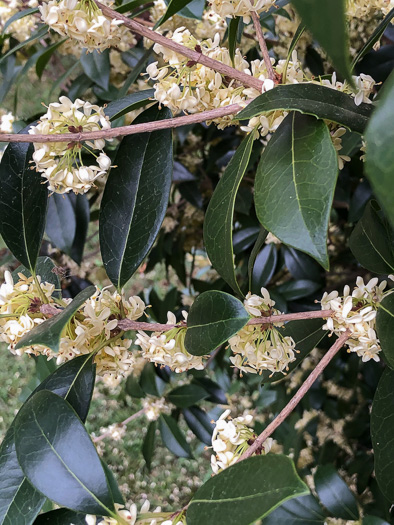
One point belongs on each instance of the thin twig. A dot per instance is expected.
(191, 54)
(127, 324)
(123, 131)
(120, 425)
(297, 397)
(263, 46)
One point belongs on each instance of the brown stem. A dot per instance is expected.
(123, 131)
(193, 55)
(127, 324)
(263, 46)
(121, 424)
(297, 397)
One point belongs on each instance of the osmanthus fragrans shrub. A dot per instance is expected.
(247, 147)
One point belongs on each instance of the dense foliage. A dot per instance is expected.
(244, 151)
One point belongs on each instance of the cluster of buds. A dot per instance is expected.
(368, 8)
(61, 163)
(231, 438)
(356, 312)
(93, 329)
(191, 87)
(154, 407)
(168, 348)
(144, 517)
(83, 21)
(258, 347)
(244, 8)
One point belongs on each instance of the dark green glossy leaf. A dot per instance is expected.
(332, 35)
(61, 517)
(61, 223)
(148, 446)
(264, 267)
(293, 290)
(301, 265)
(18, 16)
(245, 492)
(49, 432)
(23, 203)
(218, 223)
(37, 35)
(382, 433)
(19, 501)
(373, 520)
(133, 387)
(96, 66)
(375, 37)
(135, 198)
(312, 99)
(232, 35)
(129, 6)
(116, 494)
(49, 332)
(174, 7)
(82, 215)
(385, 328)
(187, 395)
(334, 494)
(199, 423)
(295, 183)
(307, 334)
(193, 10)
(150, 382)
(45, 57)
(214, 317)
(44, 268)
(216, 393)
(254, 253)
(370, 242)
(297, 511)
(124, 105)
(379, 135)
(173, 438)
(297, 35)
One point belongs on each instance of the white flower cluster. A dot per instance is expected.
(191, 87)
(244, 8)
(93, 329)
(19, 29)
(83, 21)
(61, 163)
(261, 347)
(6, 121)
(368, 8)
(231, 438)
(356, 312)
(132, 516)
(168, 348)
(154, 407)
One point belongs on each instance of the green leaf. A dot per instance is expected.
(187, 395)
(37, 35)
(218, 223)
(312, 99)
(116, 495)
(307, 334)
(61, 222)
(375, 37)
(199, 423)
(148, 446)
(382, 433)
(49, 432)
(385, 328)
(133, 387)
(150, 382)
(215, 392)
(44, 269)
(173, 438)
(295, 183)
(173, 7)
(379, 136)
(264, 267)
(129, 6)
(373, 520)
(371, 243)
(135, 198)
(297, 35)
(61, 517)
(214, 317)
(97, 67)
(81, 207)
(293, 290)
(254, 253)
(19, 501)
(332, 35)
(23, 203)
(45, 57)
(297, 511)
(49, 332)
(246, 492)
(124, 105)
(18, 16)
(232, 36)
(334, 494)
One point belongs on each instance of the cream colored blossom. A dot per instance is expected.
(356, 312)
(244, 8)
(231, 438)
(368, 8)
(168, 348)
(260, 347)
(61, 162)
(83, 21)
(6, 121)
(154, 407)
